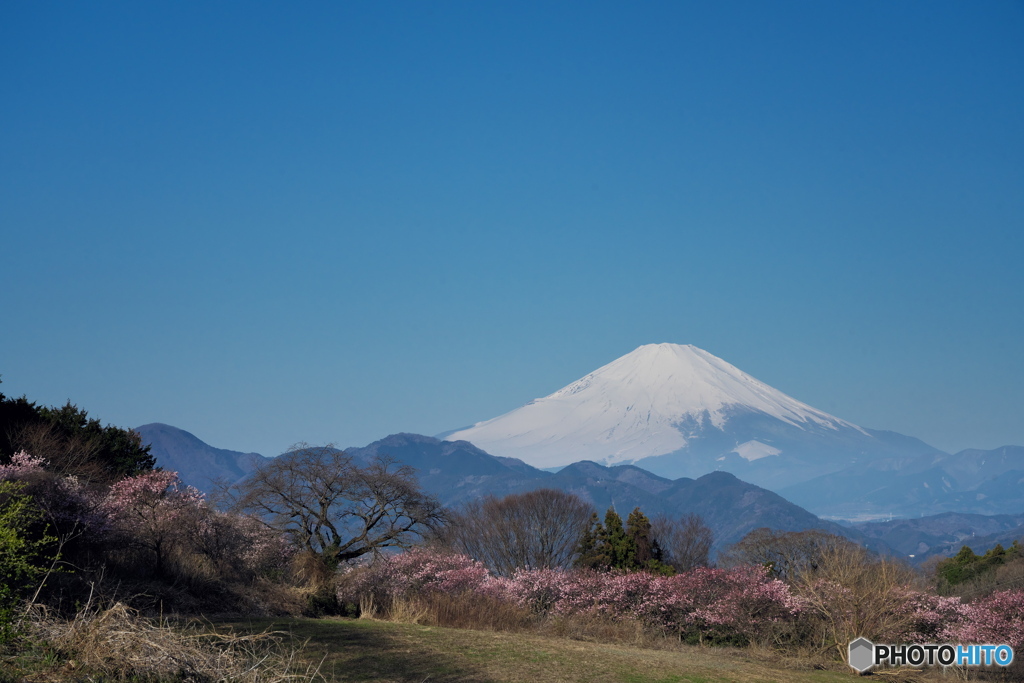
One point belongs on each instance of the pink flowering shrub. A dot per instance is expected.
(717, 603)
(415, 572)
(73, 512)
(22, 467)
(424, 571)
(238, 544)
(743, 601)
(931, 618)
(265, 551)
(714, 604)
(129, 497)
(997, 618)
(152, 511)
(553, 590)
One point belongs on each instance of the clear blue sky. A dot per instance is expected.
(273, 222)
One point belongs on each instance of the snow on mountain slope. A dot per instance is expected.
(650, 402)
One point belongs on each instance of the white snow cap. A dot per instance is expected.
(635, 407)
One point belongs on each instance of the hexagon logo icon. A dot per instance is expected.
(861, 654)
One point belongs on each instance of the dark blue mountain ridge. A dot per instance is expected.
(196, 462)
(457, 471)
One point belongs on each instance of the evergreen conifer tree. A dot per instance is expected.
(619, 547)
(591, 549)
(614, 546)
(647, 554)
(638, 529)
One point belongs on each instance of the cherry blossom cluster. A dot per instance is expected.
(240, 540)
(414, 572)
(737, 601)
(996, 618)
(155, 510)
(71, 508)
(152, 494)
(22, 466)
(741, 601)
(726, 601)
(152, 510)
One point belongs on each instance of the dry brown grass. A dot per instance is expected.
(465, 611)
(118, 643)
(480, 613)
(271, 598)
(374, 651)
(595, 628)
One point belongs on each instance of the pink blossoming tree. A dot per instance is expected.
(151, 511)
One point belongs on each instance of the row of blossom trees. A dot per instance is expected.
(315, 505)
(145, 521)
(821, 592)
(740, 604)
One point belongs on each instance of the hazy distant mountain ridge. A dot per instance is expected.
(944, 534)
(196, 462)
(458, 471)
(971, 481)
(453, 471)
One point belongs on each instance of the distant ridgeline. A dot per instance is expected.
(70, 441)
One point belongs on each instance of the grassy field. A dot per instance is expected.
(362, 650)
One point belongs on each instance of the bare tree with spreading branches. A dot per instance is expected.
(855, 593)
(334, 506)
(786, 554)
(685, 541)
(65, 453)
(535, 530)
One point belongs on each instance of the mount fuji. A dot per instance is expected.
(679, 411)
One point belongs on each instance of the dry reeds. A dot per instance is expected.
(117, 642)
(597, 628)
(479, 612)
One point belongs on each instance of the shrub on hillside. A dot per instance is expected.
(72, 509)
(238, 545)
(145, 528)
(22, 560)
(70, 441)
(416, 572)
(965, 565)
(703, 605)
(996, 618)
(152, 513)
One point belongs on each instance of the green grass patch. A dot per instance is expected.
(373, 651)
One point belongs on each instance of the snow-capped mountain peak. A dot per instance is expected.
(650, 402)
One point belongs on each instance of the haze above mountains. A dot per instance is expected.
(653, 428)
